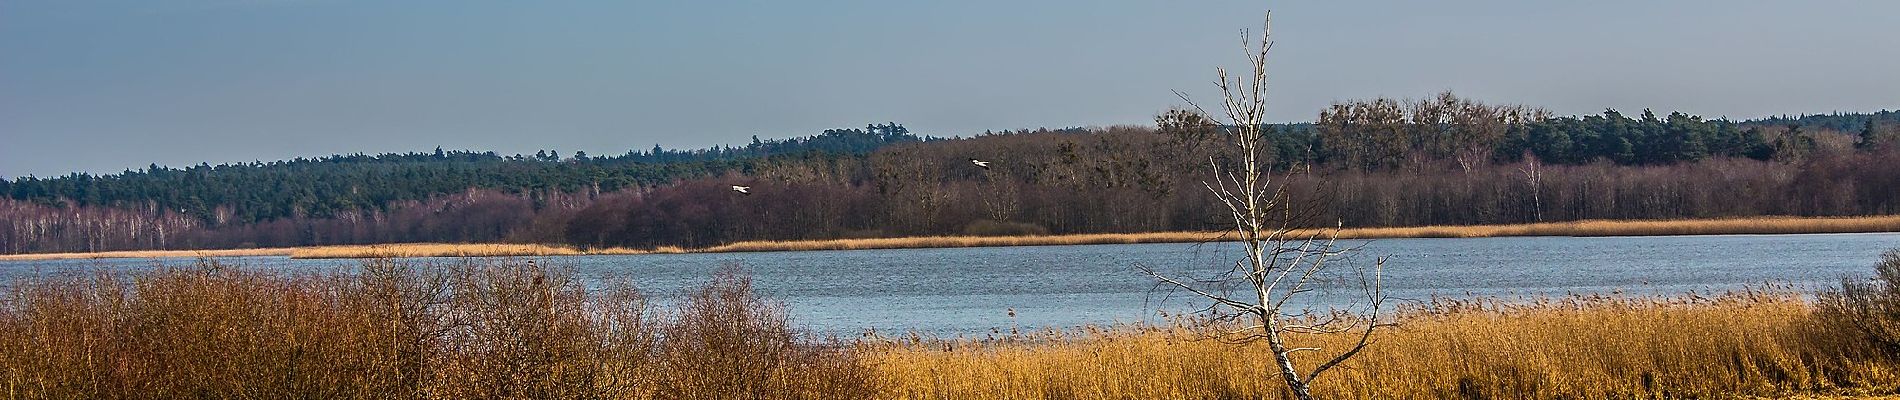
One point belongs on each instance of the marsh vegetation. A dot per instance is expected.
(505, 328)
(1588, 228)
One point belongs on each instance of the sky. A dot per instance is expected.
(102, 86)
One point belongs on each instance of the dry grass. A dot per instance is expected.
(961, 241)
(501, 328)
(1757, 225)
(1741, 344)
(148, 254)
(471, 329)
(403, 250)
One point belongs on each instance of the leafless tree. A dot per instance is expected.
(1282, 262)
(1534, 175)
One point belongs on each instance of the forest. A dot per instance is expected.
(1379, 162)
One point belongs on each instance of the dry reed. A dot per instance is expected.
(1733, 226)
(1756, 225)
(403, 250)
(1740, 344)
(502, 328)
(498, 328)
(1759, 225)
(149, 254)
(962, 241)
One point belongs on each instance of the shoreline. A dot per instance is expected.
(224, 324)
(272, 251)
(1585, 228)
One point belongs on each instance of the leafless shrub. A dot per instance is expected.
(504, 328)
(730, 343)
(1868, 307)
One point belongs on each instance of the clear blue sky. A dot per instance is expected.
(105, 85)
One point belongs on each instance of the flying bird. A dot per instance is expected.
(984, 164)
(745, 190)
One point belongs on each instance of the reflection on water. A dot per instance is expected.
(968, 290)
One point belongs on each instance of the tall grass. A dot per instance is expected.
(1748, 343)
(1755, 225)
(504, 328)
(961, 241)
(148, 254)
(404, 250)
(1758, 225)
(488, 329)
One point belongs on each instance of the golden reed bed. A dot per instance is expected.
(1743, 344)
(149, 254)
(1758, 225)
(461, 250)
(502, 328)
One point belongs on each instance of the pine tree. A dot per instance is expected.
(1868, 135)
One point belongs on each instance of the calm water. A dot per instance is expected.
(968, 290)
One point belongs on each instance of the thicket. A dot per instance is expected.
(397, 329)
(1869, 307)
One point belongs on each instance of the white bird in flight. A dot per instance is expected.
(984, 164)
(745, 190)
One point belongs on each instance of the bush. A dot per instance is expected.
(730, 343)
(394, 329)
(1868, 306)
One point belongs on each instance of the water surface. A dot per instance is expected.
(967, 291)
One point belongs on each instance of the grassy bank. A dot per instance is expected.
(1741, 344)
(149, 254)
(507, 329)
(461, 250)
(1757, 225)
(397, 250)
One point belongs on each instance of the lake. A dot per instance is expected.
(968, 291)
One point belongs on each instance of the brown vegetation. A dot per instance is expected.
(505, 329)
(1872, 306)
(493, 329)
(962, 241)
(149, 254)
(1754, 343)
(1762, 225)
(461, 250)
(1731, 226)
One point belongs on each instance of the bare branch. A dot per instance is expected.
(1210, 296)
(1282, 261)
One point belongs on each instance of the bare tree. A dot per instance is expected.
(1282, 262)
(1534, 176)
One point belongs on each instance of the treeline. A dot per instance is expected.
(246, 193)
(1385, 133)
(1132, 180)
(1444, 160)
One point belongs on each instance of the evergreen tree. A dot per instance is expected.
(1869, 135)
